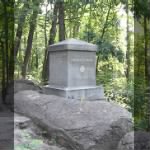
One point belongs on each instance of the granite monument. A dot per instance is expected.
(72, 65)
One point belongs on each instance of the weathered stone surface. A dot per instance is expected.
(142, 140)
(6, 130)
(73, 44)
(72, 70)
(21, 122)
(20, 85)
(127, 142)
(138, 140)
(85, 125)
(86, 93)
(76, 65)
(28, 136)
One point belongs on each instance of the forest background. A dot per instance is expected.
(120, 28)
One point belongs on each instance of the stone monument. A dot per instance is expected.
(72, 65)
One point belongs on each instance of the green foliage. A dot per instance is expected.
(116, 87)
(141, 8)
(141, 55)
(106, 50)
(103, 23)
(6, 45)
(28, 142)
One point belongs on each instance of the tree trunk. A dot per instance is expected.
(61, 21)
(146, 47)
(6, 45)
(37, 54)
(52, 36)
(30, 39)
(45, 27)
(147, 70)
(5, 51)
(20, 28)
(102, 35)
(3, 73)
(128, 63)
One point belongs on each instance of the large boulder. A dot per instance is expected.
(127, 142)
(138, 140)
(141, 140)
(28, 136)
(20, 85)
(77, 125)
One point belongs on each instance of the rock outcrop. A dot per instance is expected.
(76, 125)
(127, 142)
(28, 136)
(19, 85)
(138, 140)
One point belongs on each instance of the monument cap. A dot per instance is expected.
(73, 44)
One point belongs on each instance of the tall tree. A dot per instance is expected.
(21, 22)
(32, 27)
(128, 63)
(142, 15)
(104, 30)
(61, 20)
(146, 46)
(6, 45)
(51, 41)
(45, 24)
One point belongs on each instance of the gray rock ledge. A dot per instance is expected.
(86, 125)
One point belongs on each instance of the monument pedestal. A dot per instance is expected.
(80, 93)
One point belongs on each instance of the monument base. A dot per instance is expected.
(80, 93)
